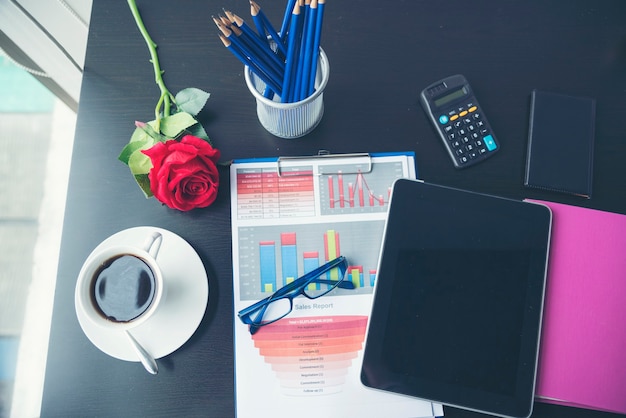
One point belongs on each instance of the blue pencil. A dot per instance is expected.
(265, 54)
(294, 94)
(304, 8)
(255, 44)
(273, 69)
(316, 44)
(308, 52)
(234, 19)
(258, 23)
(286, 19)
(267, 25)
(252, 57)
(250, 63)
(291, 55)
(255, 41)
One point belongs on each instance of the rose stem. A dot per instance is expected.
(166, 97)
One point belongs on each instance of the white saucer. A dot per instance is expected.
(182, 310)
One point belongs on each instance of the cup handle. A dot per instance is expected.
(152, 244)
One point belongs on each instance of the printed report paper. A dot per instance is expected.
(289, 217)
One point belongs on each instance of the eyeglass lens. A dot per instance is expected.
(273, 311)
(276, 309)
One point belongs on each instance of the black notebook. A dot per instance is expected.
(560, 143)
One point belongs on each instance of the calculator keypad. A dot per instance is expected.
(468, 135)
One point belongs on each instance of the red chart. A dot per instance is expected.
(263, 194)
(351, 190)
(359, 189)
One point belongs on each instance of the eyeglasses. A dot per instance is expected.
(280, 304)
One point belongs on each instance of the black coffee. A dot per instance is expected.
(123, 288)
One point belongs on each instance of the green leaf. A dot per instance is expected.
(138, 135)
(174, 125)
(139, 163)
(149, 129)
(191, 100)
(138, 141)
(197, 130)
(128, 150)
(144, 183)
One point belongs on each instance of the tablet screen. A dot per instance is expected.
(459, 295)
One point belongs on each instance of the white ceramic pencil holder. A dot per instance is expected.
(290, 120)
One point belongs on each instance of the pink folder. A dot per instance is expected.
(582, 359)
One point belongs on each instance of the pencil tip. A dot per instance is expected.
(225, 21)
(230, 15)
(227, 32)
(236, 31)
(224, 40)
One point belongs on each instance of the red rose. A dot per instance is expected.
(183, 174)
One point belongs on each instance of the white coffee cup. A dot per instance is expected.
(121, 286)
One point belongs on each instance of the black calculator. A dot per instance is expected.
(459, 120)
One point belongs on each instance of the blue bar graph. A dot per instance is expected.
(289, 256)
(272, 257)
(267, 253)
(311, 261)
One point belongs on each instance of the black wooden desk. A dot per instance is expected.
(382, 53)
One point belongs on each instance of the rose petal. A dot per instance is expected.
(184, 174)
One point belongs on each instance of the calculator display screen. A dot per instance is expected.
(457, 94)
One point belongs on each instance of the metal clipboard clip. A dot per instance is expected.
(361, 161)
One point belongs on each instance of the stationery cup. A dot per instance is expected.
(290, 120)
(121, 286)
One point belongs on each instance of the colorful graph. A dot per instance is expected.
(359, 189)
(310, 261)
(270, 258)
(311, 356)
(349, 189)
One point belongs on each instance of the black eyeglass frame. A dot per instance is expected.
(294, 289)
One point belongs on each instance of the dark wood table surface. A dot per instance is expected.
(382, 53)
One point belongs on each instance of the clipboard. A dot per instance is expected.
(359, 180)
(290, 215)
(364, 159)
(359, 159)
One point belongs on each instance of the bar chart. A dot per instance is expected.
(350, 189)
(271, 256)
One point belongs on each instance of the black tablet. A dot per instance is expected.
(458, 301)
